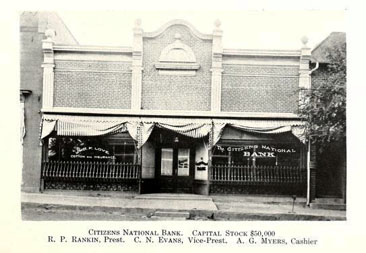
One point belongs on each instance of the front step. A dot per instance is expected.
(170, 215)
(329, 204)
(169, 196)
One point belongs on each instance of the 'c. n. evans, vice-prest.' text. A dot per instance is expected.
(195, 236)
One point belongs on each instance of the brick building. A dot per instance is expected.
(175, 112)
(32, 31)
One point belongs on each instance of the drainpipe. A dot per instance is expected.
(315, 68)
(308, 150)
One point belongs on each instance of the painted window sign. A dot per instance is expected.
(92, 153)
(257, 154)
(267, 148)
(90, 149)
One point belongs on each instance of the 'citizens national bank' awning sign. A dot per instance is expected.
(256, 150)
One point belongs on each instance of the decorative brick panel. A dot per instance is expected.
(242, 69)
(175, 92)
(92, 85)
(93, 65)
(242, 92)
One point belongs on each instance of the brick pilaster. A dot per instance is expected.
(304, 70)
(137, 54)
(216, 78)
(48, 69)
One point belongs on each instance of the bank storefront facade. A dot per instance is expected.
(175, 113)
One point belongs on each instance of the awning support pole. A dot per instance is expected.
(308, 174)
(210, 147)
(139, 148)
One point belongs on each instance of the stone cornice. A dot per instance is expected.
(178, 22)
(94, 49)
(260, 52)
(157, 113)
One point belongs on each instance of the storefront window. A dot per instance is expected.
(166, 161)
(183, 162)
(96, 149)
(221, 155)
(257, 155)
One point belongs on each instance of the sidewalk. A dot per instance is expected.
(217, 207)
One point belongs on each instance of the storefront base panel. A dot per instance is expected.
(236, 188)
(124, 186)
(201, 187)
(149, 186)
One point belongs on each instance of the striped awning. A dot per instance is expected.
(296, 127)
(140, 128)
(191, 127)
(71, 125)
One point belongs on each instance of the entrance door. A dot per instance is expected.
(176, 171)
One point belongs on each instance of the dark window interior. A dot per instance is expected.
(114, 149)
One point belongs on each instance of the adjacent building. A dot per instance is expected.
(32, 31)
(331, 165)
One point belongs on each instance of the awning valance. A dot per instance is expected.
(260, 126)
(70, 125)
(140, 128)
(192, 127)
(260, 123)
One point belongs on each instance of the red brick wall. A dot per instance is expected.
(92, 84)
(259, 88)
(166, 92)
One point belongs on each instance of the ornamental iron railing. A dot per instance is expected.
(89, 170)
(258, 174)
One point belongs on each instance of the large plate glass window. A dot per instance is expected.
(166, 161)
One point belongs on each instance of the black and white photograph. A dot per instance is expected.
(177, 126)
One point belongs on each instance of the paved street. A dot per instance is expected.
(54, 213)
(116, 206)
